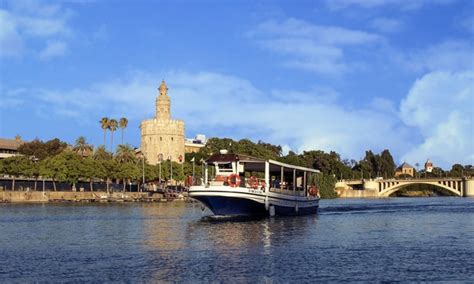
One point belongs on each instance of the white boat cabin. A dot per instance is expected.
(241, 171)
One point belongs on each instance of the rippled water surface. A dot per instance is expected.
(412, 239)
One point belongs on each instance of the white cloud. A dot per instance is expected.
(386, 25)
(438, 109)
(223, 105)
(311, 47)
(53, 49)
(24, 22)
(451, 55)
(441, 105)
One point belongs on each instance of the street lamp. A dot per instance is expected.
(143, 171)
(203, 175)
(180, 158)
(192, 160)
(171, 170)
(160, 158)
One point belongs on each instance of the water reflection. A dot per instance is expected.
(225, 234)
(162, 226)
(180, 236)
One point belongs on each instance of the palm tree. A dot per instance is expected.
(112, 127)
(123, 122)
(104, 124)
(81, 146)
(101, 154)
(125, 153)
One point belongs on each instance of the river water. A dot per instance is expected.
(414, 239)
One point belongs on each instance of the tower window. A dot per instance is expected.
(171, 138)
(161, 138)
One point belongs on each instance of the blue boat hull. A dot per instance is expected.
(232, 206)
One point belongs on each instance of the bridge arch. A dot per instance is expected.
(392, 189)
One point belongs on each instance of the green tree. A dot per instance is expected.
(72, 170)
(34, 171)
(112, 127)
(387, 165)
(457, 170)
(274, 149)
(123, 122)
(326, 184)
(91, 169)
(125, 157)
(41, 150)
(53, 167)
(104, 124)
(104, 165)
(16, 166)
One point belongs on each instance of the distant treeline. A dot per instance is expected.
(80, 162)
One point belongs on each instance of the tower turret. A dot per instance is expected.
(163, 103)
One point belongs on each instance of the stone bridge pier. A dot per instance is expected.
(469, 188)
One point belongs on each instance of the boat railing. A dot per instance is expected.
(221, 180)
(287, 191)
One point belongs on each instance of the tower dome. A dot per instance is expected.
(163, 103)
(163, 88)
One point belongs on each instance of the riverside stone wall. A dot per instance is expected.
(68, 196)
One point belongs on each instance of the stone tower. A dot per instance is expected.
(162, 137)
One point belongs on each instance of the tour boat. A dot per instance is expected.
(240, 185)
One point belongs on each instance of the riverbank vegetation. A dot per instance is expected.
(59, 161)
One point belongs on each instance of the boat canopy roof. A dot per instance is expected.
(228, 158)
(254, 164)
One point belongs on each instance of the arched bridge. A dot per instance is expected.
(384, 187)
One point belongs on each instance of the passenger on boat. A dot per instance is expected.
(275, 182)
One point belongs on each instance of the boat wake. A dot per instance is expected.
(390, 208)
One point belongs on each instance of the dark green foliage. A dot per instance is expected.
(41, 150)
(326, 184)
(457, 170)
(387, 165)
(53, 161)
(244, 146)
(275, 149)
(380, 165)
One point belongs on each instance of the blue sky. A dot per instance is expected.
(345, 75)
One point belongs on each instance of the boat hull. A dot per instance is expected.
(252, 203)
(232, 206)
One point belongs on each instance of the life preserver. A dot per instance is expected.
(313, 191)
(253, 182)
(233, 180)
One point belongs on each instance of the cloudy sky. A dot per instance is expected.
(342, 75)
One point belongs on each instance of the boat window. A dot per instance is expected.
(299, 179)
(225, 168)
